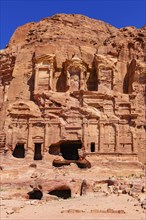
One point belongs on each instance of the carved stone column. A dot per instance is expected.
(29, 140)
(62, 131)
(101, 136)
(85, 133)
(134, 142)
(117, 138)
(14, 137)
(46, 137)
(81, 80)
(25, 147)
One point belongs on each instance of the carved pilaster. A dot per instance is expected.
(85, 133)
(101, 136)
(134, 142)
(62, 131)
(81, 81)
(46, 138)
(116, 138)
(14, 137)
(29, 141)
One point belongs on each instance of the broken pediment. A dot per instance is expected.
(44, 59)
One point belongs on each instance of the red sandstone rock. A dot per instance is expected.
(69, 77)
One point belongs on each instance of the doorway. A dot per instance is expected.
(38, 151)
(19, 151)
(92, 147)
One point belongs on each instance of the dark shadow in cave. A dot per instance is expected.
(69, 149)
(19, 151)
(35, 194)
(61, 193)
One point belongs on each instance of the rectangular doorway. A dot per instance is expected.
(92, 147)
(38, 151)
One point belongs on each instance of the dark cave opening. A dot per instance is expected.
(69, 149)
(61, 193)
(35, 194)
(19, 151)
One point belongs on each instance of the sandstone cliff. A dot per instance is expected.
(72, 77)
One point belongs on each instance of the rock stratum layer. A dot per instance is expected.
(73, 79)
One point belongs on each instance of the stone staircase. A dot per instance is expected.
(2, 141)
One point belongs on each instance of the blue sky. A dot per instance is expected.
(119, 13)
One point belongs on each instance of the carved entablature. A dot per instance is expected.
(44, 69)
(76, 72)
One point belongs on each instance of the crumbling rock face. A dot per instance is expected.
(69, 77)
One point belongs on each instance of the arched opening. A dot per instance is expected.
(61, 193)
(35, 194)
(19, 151)
(38, 151)
(69, 149)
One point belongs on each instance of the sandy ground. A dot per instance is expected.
(95, 205)
(85, 207)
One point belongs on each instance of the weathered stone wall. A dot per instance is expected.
(69, 77)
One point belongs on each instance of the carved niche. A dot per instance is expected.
(76, 72)
(125, 139)
(105, 76)
(129, 77)
(44, 69)
(104, 72)
(109, 138)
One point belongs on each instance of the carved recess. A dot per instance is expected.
(76, 74)
(105, 72)
(44, 73)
